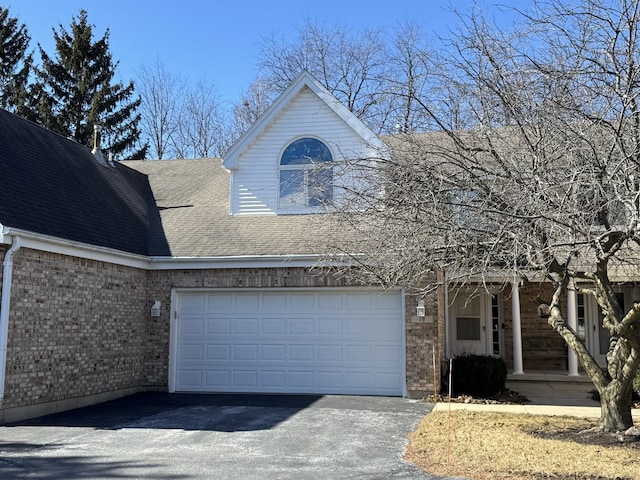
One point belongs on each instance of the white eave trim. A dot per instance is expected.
(240, 261)
(47, 243)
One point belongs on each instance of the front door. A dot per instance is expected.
(475, 325)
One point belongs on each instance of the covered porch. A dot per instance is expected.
(506, 323)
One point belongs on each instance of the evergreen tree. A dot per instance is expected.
(15, 63)
(75, 91)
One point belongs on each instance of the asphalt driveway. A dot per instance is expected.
(179, 436)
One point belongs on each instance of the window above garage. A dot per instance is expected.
(305, 176)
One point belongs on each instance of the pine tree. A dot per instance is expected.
(75, 91)
(15, 63)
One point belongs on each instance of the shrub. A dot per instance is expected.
(478, 375)
(636, 384)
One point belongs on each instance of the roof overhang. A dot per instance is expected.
(61, 246)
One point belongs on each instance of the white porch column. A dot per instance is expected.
(517, 330)
(572, 320)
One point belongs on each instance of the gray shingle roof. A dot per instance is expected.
(193, 199)
(54, 186)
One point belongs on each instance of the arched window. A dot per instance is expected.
(305, 174)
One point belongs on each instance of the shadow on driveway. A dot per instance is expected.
(217, 412)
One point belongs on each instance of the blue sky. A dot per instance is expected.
(219, 40)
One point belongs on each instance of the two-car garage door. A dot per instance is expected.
(288, 341)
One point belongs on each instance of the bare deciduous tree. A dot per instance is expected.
(533, 174)
(203, 129)
(347, 65)
(161, 93)
(253, 103)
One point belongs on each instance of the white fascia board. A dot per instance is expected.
(240, 261)
(47, 243)
(72, 248)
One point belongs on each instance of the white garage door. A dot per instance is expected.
(288, 341)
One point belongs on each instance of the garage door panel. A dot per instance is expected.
(192, 303)
(191, 352)
(382, 328)
(245, 352)
(192, 326)
(359, 379)
(356, 354)
(301, 326)
(301, 379)
(283, 341)
(245, 378)
(218, 380)
(245, 326)
(329, 380)
(387, 381)
(385, 354)
(301, 353)
(274, 301)
(330, 302)
(191, 378)
(273, 326)
(246, 301)
(219, 302)
(359, 301)
(273, 353)
(217, 326)
(358, 326)
(273, 379)
(219, 352)
(329, 353)
(301, 302)
(330, 326)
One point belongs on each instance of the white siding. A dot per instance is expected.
(255, 182)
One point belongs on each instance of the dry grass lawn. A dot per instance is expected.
(496, 446)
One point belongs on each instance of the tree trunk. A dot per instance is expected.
(615, 413)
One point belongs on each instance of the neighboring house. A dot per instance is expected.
(203, 275)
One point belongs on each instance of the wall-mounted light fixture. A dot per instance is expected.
(155, 309)
(420, 311)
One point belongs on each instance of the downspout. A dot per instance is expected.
(5, 309)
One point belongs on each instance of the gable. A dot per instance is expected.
(255, 176)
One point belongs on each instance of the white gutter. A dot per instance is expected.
(5, 309)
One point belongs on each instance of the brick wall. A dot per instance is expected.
(83, 327)
(78, 330)
(542, 347)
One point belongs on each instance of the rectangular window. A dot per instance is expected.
(292, 188)
(468, 328)
(306, 187)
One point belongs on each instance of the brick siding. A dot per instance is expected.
(77, 328)
(83, 327)
(80, 327)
